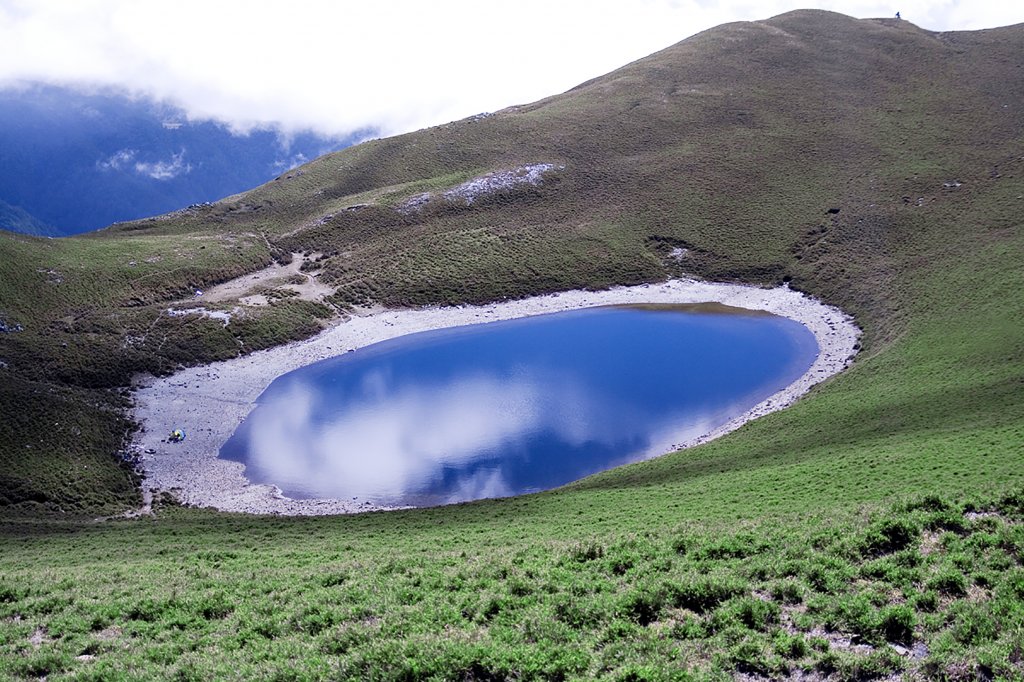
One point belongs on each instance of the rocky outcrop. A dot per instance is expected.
(496, 181)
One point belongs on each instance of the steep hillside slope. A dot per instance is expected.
(869, 162)
(735, 143)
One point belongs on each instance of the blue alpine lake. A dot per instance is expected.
(514, 407)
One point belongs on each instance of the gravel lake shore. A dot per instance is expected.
(209, 402)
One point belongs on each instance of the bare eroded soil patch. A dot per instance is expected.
(257, 288)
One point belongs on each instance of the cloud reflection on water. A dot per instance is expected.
(512, 407)
(451, 437)
(394, 441)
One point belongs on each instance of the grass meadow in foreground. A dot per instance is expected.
(929, 586)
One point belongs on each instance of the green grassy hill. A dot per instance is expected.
(870, 163)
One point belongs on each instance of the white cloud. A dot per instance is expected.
(164, 170)
(126, 160)
(290, 162)
(393, 65)
(118, 160)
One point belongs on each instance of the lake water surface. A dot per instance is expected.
(513, 407)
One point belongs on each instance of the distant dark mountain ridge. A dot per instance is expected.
(80, 161)
(17, 219)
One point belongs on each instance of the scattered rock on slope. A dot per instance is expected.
(496, 181)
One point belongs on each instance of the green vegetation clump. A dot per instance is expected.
(230, 597)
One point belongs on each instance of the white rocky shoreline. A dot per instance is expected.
(210, 401)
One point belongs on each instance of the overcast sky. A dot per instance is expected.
(393, 65)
